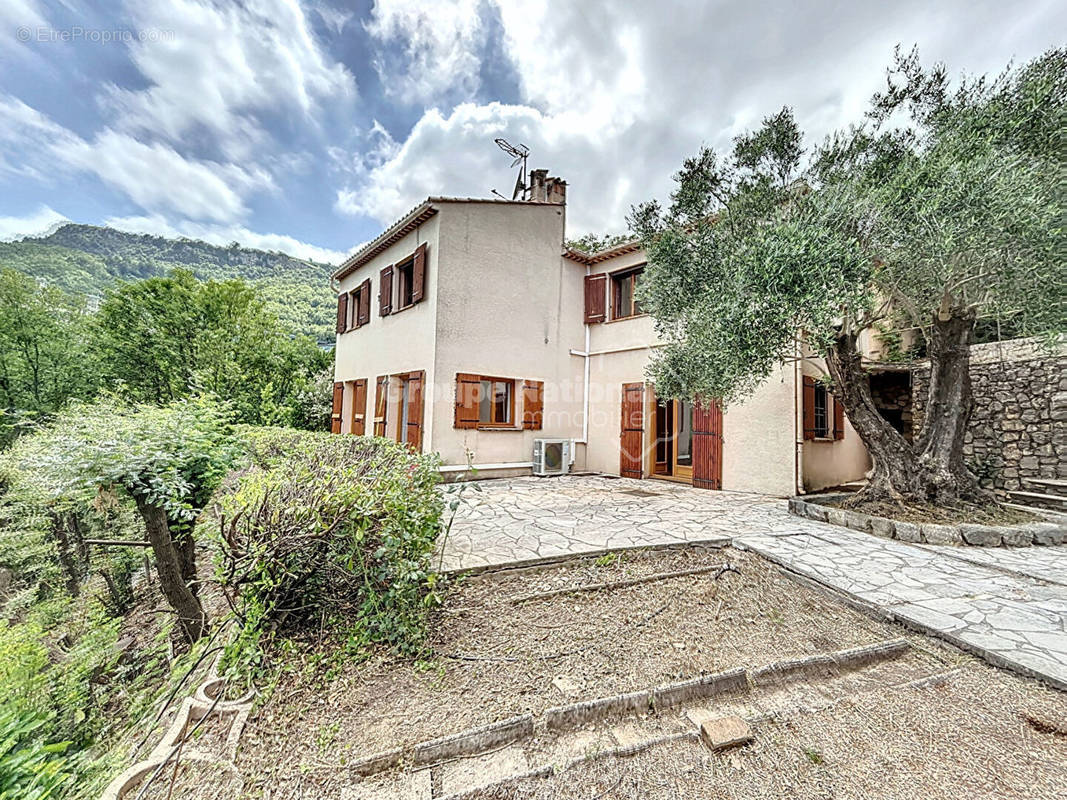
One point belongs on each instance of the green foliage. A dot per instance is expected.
(89, 260)
(43, 344)
(957, 211)
(163, 338)
(594, 243)
(172, 456)
(30, 768)
(330, 529)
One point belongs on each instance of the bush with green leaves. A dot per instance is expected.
(330, 529)
(30, 767)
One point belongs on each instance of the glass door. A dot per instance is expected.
(683, 439)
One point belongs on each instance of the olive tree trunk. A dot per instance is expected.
(171, 568)
(931, 468)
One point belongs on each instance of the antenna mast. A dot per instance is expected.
(519, 152)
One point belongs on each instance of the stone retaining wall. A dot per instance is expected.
(1039, 533)
(1018, 428)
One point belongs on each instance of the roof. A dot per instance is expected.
(407, 223)
(582, 257)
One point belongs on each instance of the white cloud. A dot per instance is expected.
(36, 223)
(17, 16)
(224, 234)
(220, 66)
(613, 99)
(440, 41)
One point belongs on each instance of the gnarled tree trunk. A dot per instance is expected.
(169, 568)
(931, 468)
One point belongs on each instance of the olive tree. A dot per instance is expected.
(167, 460)
(942, 207)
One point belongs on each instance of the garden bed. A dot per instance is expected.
(992, 528)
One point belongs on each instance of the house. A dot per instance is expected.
(469, 329)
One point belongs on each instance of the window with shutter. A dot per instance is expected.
(338, 404)
(412, 393)
(418, 278)
(364, 303)
(359, 407)
(809, 407)
(839, 418)
(533, 405)
(385, 292)
(342, 312)
(468, 396)
(595, 297)
(818, 410)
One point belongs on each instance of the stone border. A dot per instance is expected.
(562, 718)
(1032, 533)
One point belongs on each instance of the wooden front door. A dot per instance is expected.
(707, 446)
(631, 440)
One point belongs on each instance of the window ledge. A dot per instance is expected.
(498, 428)
(625, 319)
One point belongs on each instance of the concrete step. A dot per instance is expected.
(1052, 486)
(1039, 500)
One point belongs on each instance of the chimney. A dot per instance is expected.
(544, 189)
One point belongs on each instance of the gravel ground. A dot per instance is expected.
(497, 658)
(967, 738)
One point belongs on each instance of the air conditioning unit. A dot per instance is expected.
(552, 456)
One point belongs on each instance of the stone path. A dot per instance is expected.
(1009, 606)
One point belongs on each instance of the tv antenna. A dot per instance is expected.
(520, 153)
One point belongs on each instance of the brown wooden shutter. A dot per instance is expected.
(413, 435)
(359, 407)
(385, 292)
(338, 404)
(595, 297)
(364, 303)
(342, 312)
(707, 445)
(631, 443)
(809, 407)
(468, 391)
(381, 386)
(839, 419)
(533, 405)
(418, 274)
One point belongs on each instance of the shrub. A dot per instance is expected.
(30, 768)
(336, 529)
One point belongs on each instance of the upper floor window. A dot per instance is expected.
(405, 279)
(403, 284)
(624, 301)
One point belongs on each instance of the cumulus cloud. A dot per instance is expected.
(428, 49)
(613, 99)
(36, 223)
(223, 65)
(157, 225)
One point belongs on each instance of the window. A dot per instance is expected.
(624, 301)
(495, 402)
(405, 279)
(353, 309)
(822, 411)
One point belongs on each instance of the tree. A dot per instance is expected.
(44, 357)
(165, 338)
(167, 460)
(594, 243)
(928, 225)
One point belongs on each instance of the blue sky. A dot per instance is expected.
(308, 126)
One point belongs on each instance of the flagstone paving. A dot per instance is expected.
(1009, 606)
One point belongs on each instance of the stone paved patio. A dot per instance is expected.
(1009, 606)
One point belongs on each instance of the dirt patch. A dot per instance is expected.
(965, 738)
(496, 658)
(976, 515)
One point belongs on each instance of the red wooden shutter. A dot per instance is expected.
(839, 419)
(338, 404)
(468, 391)
(342, 312)
(632, 437)
(359, 407)
(413, 435)
(364, 303)
(381, 386)
(595, 297)
(385, 292)
(418, 274)
(809, 407)
(533, 405)
(707, 445)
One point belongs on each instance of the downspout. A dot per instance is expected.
(798, 441)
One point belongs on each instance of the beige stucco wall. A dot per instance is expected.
(828, 462)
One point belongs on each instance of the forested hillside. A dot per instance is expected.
(89, 260)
